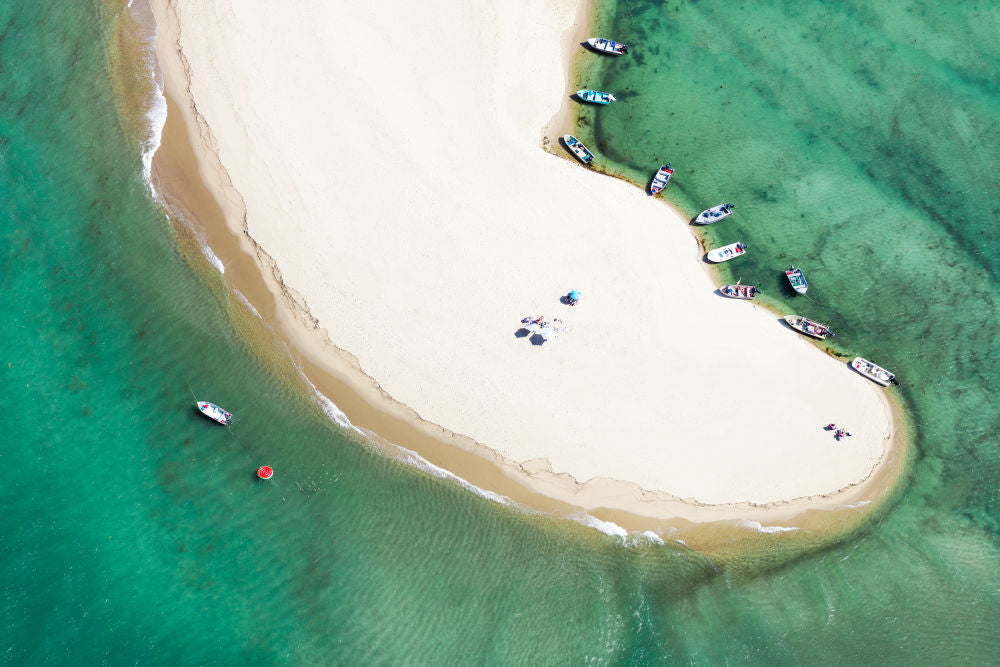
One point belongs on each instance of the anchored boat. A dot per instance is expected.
(607, 46)
(661, 179)
(739, 291)
(214, 412)
(596, 96)
(714, 214)
(808, 327)
(726, 252)
(797, 279)
(577, 148)
(873, 372)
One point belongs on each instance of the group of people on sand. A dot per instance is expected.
(838, 432)
(570, 299)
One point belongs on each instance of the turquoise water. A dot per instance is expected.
(136, 531)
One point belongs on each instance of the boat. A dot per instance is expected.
(739, 291)
(661, 179)
(578, 149)
(596, 96)
(714, 214)
(726, 252)
(808, 327)
(797, 279)
(214, 412)
(607, 46)
(874, 373)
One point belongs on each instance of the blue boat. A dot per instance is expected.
(577, 148)
(595, 96)
(661, 179)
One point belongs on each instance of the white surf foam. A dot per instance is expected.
(407, 456)
(756, 526)
(607, 527)
(156, 115)
(330, 408)
(652, 537)
(213, 258)
(247, 303)
(861, 503)
(412, 458)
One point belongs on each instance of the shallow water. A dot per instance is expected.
(136, 531)
(857, 143)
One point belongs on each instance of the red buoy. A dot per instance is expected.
(265, 472)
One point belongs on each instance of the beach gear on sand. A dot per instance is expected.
(573, 296)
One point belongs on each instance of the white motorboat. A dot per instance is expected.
(607, 46)
(214, 412)
(714, 214)
(872, 371)
(727, 252)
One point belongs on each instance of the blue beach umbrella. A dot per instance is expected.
(574, 296)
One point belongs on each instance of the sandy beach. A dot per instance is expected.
(392, 166)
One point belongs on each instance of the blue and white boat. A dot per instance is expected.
(595, 96)
(607, 46)
(797, 279)
(714, 214)
(727, 252)
(214, 412)
(577, 148)
(661, 179)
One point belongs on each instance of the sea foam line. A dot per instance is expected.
(756, 526)
(156, 115)
(247, 303)
(410, 457)
(330, 408)
(417, 461)
(614, 530)
(213, 259)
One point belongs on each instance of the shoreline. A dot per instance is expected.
(339, 375)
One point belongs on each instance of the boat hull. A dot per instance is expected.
(808, 327)
(797, 280)
(596, 97)
(214, 412)
(608, 46)
(726, 253)
(661, 179)
(576, 147)
(872, 371)
(737, 291)
(714, 214)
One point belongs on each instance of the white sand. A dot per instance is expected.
(390, 163)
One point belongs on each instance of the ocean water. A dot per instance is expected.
(136, 532)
